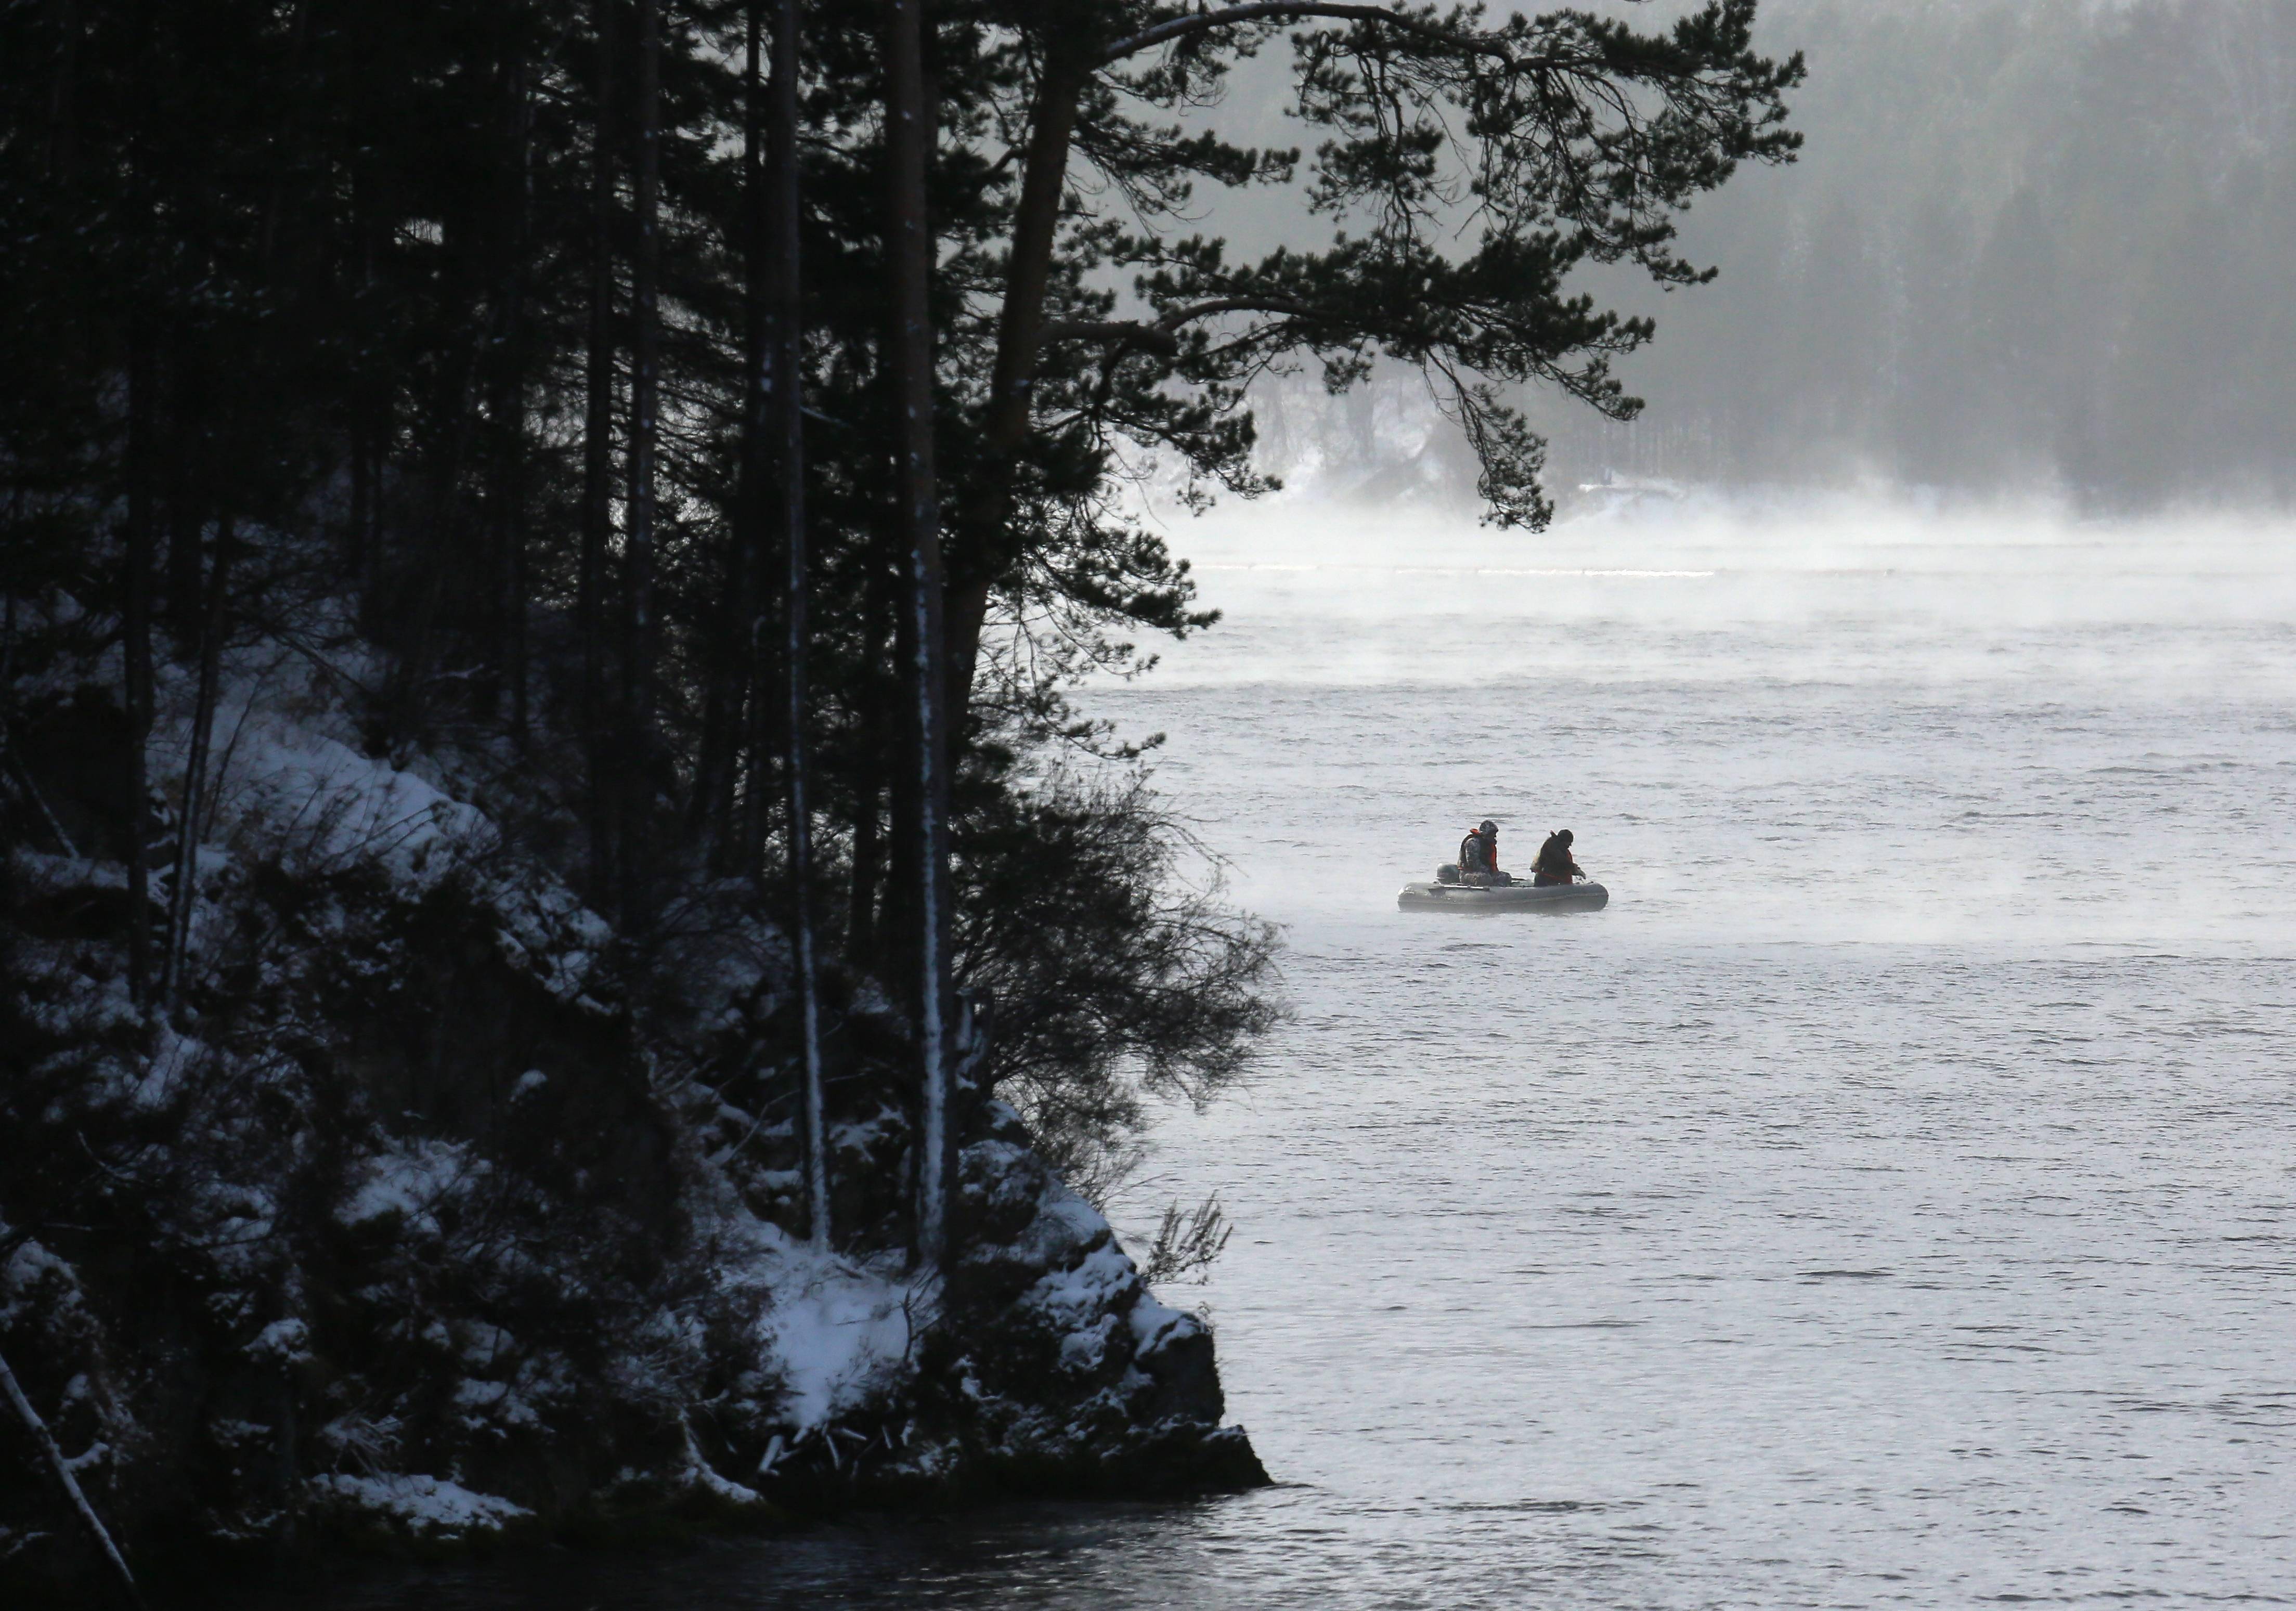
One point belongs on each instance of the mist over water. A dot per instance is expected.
(1811, 718)
(1890, 1200)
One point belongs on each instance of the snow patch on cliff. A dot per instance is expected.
(410, 1181)
(841, 1335)
(429, 1509)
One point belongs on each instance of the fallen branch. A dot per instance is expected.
(41, 1435)
(32, 788)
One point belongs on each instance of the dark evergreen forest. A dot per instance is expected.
(692, 442)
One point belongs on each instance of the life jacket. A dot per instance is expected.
(1475, 853)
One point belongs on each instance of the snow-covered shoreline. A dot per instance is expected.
(443, 1218)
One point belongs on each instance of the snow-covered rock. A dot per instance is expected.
(425, 1511)
(437, 1214)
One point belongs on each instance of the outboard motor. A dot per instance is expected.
(1447, 873)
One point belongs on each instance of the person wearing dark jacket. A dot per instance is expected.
(1553, 864)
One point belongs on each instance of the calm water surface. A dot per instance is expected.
(1890, 1200)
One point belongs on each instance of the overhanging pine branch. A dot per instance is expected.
(1160, 336)
(1269, 11)
(1113, 333)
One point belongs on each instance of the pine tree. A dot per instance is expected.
(499, 308)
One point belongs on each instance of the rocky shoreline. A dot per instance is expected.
(439, 1219)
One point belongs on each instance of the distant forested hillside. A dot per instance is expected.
(2028, 243)
(2024, 242)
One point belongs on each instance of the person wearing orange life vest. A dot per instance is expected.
(1479, 856)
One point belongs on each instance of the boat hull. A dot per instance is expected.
(1503, 897)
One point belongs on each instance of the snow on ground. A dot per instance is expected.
(283, 763)
(430, 1508)
(408, 1181)
(838, 1330)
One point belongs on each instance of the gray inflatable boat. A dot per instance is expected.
(1503, 897)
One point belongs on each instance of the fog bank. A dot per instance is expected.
(2031, 245)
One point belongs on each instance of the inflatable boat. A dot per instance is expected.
(1503, 897)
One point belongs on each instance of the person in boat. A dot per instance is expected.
(1553, 864)
(1479, 856)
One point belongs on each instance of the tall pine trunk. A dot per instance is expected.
(63, 111)
(370, 396)
(509, 402)
(783, 380)
(361, 515)
(756, 639)
(185, 894)
(731, 684)
(638, 536)
(713, 817)
(909, 134)
(1066, 71)
(453, 416)
(188, 454)
(136, 623)
(597, 469)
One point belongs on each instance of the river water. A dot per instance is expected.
(1890, 1200)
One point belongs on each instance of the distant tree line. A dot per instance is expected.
(720, 413)
(2034, 243)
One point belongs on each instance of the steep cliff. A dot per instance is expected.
(434, 1212)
